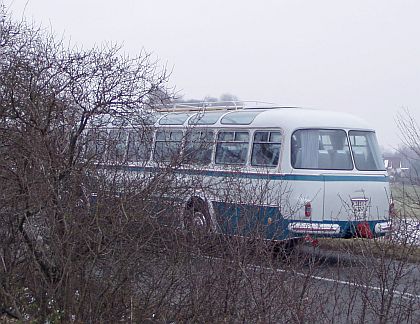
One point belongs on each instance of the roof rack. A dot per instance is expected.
(214, 106)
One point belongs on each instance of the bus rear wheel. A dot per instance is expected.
(197, 219)
(287, 249)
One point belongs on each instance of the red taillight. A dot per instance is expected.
(311, 240)
(363, 230)
(392, 211)
(308, 209)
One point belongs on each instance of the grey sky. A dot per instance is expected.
(358, 56)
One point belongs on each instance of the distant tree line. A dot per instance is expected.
(226, 97)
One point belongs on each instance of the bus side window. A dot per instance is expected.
(266, 149)
(199, 146)
(139, 144)
(117, 144)
(232, 147)
(95, 146)
(167, 145)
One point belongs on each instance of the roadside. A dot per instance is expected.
(383, 247)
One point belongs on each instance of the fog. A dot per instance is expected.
(355, 56)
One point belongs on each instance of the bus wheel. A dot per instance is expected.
(197, 217)
(287, 249)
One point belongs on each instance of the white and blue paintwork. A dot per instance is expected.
(280, 213)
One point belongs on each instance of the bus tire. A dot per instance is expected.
(197, 218)
(286, 249)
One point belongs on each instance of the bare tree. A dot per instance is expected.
(50, 96)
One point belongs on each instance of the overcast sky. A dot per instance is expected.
(358, 56)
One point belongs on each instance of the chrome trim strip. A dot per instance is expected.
(314, 228)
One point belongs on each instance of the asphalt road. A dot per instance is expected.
(349, 288)
(323, 285)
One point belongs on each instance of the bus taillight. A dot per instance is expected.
(392, 212)
(308, 209)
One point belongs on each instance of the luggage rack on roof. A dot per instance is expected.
(215, 106)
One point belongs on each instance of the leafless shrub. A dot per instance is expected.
(89, 235)
(50, 96)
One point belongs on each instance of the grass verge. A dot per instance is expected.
(379, 248)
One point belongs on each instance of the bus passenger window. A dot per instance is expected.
(199, 147)
(232, 147)
(117, 144)
(95, 144)
(266, 149)
(239, 117)
(139, 144)
(167, 145)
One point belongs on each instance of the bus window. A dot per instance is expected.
(117, 145)
(96, 144)
(232, 147)
(266, 149)
(139, 144)
(239, 117)
(366, 153)
(326, 149)
(205, 118)
(168, 145)
(174, 119)
(199, 146)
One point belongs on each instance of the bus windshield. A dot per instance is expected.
(366, 153)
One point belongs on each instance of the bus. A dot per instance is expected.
(280, 172)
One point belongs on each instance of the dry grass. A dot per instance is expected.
(407, 199)
(377, 248)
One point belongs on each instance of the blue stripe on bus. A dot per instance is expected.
(265, 176)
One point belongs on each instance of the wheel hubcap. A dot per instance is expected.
(198, 220)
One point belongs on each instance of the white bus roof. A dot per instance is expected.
(287, 118)
(292, 118)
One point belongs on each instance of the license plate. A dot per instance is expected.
(360, 207)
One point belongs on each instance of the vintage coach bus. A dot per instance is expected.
(296, 172)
